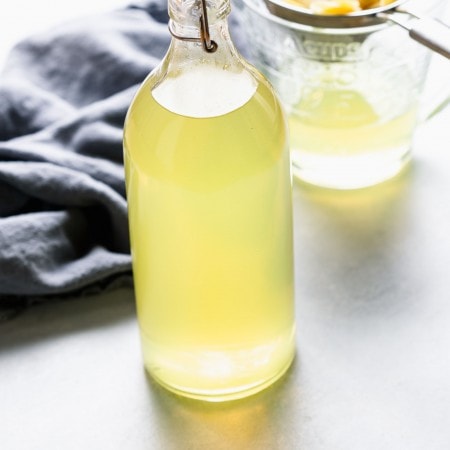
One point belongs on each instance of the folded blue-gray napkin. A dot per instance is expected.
(63, 99)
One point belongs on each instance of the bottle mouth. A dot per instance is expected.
(189, 12)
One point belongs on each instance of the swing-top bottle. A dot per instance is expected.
(209, 193)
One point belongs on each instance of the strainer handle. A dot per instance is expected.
(433, 34)
(429, 32)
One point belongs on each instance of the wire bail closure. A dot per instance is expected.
(209, 45)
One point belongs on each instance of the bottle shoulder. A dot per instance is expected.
(204, 90)
(247, 140)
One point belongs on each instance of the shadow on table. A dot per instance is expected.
(354, 249)
(255, 422)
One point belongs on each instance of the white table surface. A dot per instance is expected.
(373, 362)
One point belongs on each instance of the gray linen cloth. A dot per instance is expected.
(63, 99)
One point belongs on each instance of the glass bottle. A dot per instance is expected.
(209, 193)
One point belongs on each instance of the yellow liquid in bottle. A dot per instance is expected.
(211, 235)
(340, 141)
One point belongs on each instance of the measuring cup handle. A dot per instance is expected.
(433, 34)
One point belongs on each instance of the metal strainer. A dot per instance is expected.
(429, 32)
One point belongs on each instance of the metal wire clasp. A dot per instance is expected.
(209, 45)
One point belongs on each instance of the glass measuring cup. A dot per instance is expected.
(352, 94)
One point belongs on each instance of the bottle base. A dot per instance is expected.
(219, 373)
(222, 395)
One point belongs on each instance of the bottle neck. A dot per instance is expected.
(200, 23)
(192, 81)
(189, 12)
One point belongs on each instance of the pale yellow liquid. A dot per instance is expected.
(211, 233)
(340, 141)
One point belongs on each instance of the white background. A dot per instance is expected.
(20, 18)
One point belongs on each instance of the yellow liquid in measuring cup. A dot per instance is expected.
(211, 233)
(338, 140)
